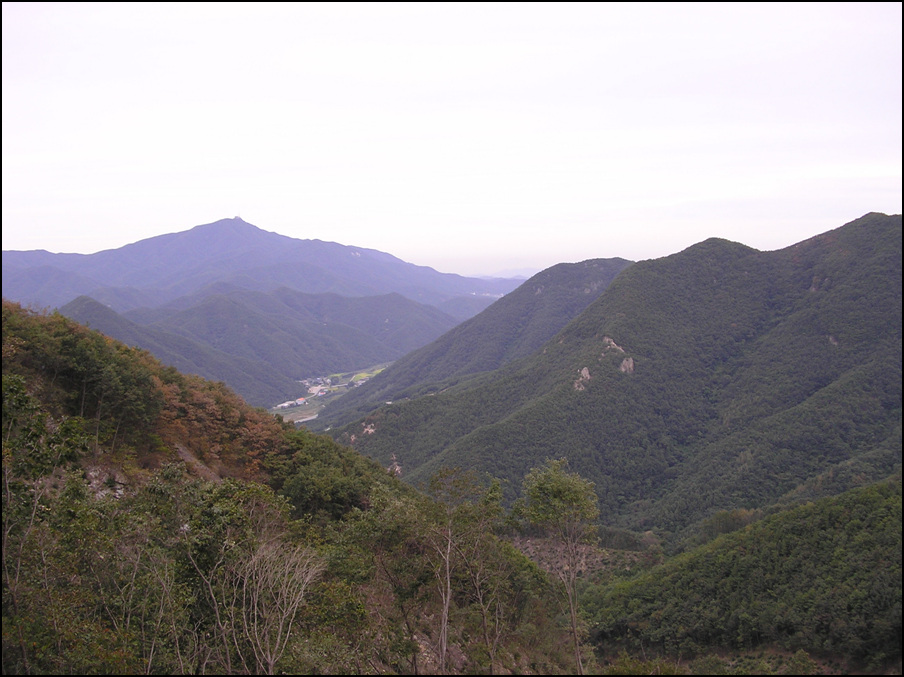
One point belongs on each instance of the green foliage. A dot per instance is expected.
(802, 664)
(758, 378)
(564, 505)
(117, 559)
(515, 326)
(149, 582)
(626, 664)
(81, 372)
(822, 577)
(321, 478)
(34, 444)
(560, 501)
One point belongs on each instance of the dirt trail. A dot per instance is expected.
(196, 465)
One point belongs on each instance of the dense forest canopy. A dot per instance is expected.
(517, 325)
(716, 379)
(155, 523)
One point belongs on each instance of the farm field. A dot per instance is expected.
(320, 391)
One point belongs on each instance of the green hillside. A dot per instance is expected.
(715, 379)
(257, 382)
(515, 326)
(824, 577)
(154, 523)
(263, 343)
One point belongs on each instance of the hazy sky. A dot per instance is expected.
(473, 138)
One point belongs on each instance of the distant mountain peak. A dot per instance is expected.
(159, 269)
(235, 221)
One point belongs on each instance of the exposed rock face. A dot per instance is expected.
(394, 467)
(609, 344)
(584, 376)
(366, 429)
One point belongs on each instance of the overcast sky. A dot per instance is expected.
(473, 138)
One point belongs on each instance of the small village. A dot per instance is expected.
(319, 391)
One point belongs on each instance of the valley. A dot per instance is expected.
(321, 391)
(259, 311)
(717, 431)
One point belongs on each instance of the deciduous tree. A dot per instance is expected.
(564, 505)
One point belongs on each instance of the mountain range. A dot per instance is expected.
(257, 310)
(736, 412)
(138, 502)
(224, 255)
(718, 378)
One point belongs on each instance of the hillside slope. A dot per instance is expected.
(717, 378)
(824, 575)
(154, 523)
(515, 326)
(263, 343)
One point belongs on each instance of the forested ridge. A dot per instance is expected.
(715, 379)
(155, 523)
(825, 574)
(263, 343)
(515, 326)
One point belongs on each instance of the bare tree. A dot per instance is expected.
(488, 571)
(460, 536)
(273, 583)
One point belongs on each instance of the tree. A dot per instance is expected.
(34, 446)
(463, 515)
(564, 505)
(273, 583)
(389, 535)
(491, 571)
